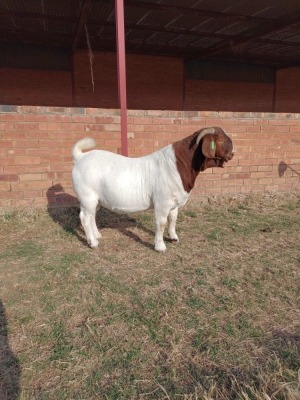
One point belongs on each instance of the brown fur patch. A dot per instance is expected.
(190, 159)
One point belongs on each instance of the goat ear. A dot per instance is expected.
(209, 146)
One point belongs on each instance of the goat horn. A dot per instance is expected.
(204, 132)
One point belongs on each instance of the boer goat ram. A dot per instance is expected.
(162, 180)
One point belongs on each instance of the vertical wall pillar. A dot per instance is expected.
(120, 33)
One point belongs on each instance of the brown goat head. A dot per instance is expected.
(216, 147)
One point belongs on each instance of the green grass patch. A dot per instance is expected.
(215, 317)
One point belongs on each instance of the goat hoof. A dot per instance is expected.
(94, 245)
(173, 238)
(160, 248)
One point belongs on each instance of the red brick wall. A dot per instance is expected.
(105, 80)
(35, 87)
(228, 96)
(35, 144)
(153, 83)
(288, 90)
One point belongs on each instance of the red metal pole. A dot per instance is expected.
(120, 31)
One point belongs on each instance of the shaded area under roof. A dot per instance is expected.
(251, 31)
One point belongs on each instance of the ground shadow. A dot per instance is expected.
(9, 364)
(63, 208)
(283, 167)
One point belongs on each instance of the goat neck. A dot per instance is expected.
(189, 160)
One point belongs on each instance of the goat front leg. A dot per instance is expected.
(160, 224)
(172, 218)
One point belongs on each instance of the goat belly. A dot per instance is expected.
(125, 207)
(123, 196)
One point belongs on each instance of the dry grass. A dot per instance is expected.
(216, 317)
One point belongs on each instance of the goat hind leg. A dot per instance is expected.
(160, 223)
(96, 232)
(87, 218)
(172, 218)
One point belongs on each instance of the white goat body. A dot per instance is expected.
(126, 184)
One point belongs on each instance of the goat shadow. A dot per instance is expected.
(63, 208)
(9, 364)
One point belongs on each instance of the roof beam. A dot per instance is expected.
(65, 36)
(185, 51)
(180, 31)
(47, 17)
(65, 40)
(86, 8)
(148, 7)
(196, 11)
(263, 30)
(197, 34)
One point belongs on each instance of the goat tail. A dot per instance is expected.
(84, 144)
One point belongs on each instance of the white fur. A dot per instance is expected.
(127, 184)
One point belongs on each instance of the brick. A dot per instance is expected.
(27, 143)
(30, 177)
(12, 169)
(11, 195)
(4, 185)
(112, 143)
(139, 152)
(40, 202)
(54, 126)
(35, 118)
(152, 128)
(7, 161)
(35, 135)
(20, 185)
(265, 181)
(26, 126)
(162, 135)
(265, 168)
(11, 117)
(6, 126)
(60, 167)
(72, 127)
(6, 143)
(38, 168)
(94, 127)
(145, 121)
(271, 188)
(22, 202)
(4, 203)
(32, 194)
(105, 120)
(27, 160)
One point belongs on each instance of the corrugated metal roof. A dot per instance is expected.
(256, 31)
